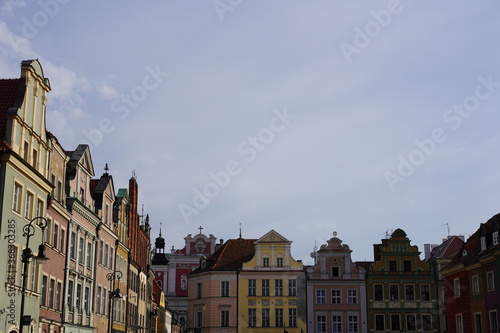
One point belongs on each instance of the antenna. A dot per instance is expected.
(448, 227)
(240, 230)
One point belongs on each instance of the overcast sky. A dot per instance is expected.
(306, 117)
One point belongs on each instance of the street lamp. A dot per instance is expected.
(28, 231)
(113, 293)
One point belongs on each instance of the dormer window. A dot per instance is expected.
(483, 243)
(464, 253)
(265, 261)
(495, 238)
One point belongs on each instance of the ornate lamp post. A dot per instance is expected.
(113, 293)
(28, 231)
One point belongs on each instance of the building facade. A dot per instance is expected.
(271, 288)
(336, 290)
(401, 289)
(24, 191)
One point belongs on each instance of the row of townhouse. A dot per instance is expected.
(254, 285)
(98, 278)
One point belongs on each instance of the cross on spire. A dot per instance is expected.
(201, 228)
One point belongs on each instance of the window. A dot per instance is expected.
(29, 206)
(460, 323)
(493, 321)
(336, 296)
(320, 296)
(352, 296)
(483, 243)
(490, 281)
(265, 317)
(378, 292)
(266, 261)
(425, 293)
(79, 297)
(55, 236)
(278, 314)
(86, 300)
(279, 261)
(395, 324)
(407, 265)
(39, 208)
(409, 292)
(106, 253)
(265, 287)
(80, 250)
(392, 266)
(252, 317)
(475, 284)
(456, 287)
(99, 299)
(70, 294)
(335, 271)
(59, 190)
(292, 317)
(26, 151)
(379, 322)
(410, 322)
(35, 158)
(336, 323)
(199, 319)
(43, 301)
(426, 322)
(106, 214)
(495, 238)
(62, 242)
(16, 200)
(352, 322)
(224, 318)
(58, 296)
(224, 288)
(72, 245)
(477, 323)
(394, 292)
(101, 249)
(278, 287)
(198, 290)
(52, 288)
(111, 257)
(292, 288)
(320, 324)
(89, 254)
(252, 287)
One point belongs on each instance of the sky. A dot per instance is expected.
(306, 117)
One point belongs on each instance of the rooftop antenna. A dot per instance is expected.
(448, 227)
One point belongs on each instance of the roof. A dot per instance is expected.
(230, 256)
(10, 90)
(446, 249)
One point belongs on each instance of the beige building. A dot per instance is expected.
(24, 190)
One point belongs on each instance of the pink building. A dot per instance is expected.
(336, 291)
(171, 270)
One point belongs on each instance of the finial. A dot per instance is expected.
(201, 228)
(240, 230)
(334, 234)
(160, 229)
(106, 168)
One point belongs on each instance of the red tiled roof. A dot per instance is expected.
(230, 256)
(9, 90)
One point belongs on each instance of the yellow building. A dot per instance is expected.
(271, 289)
